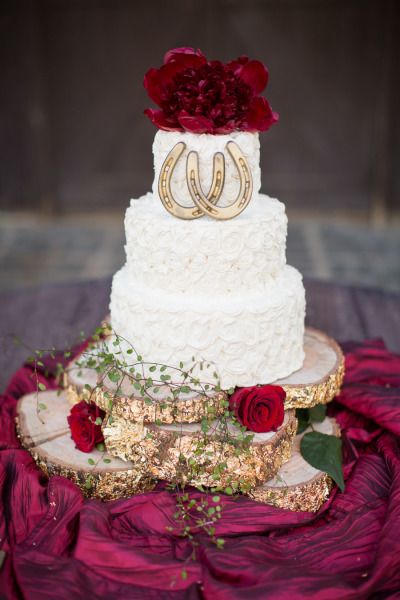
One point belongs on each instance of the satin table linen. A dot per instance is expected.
(56, 544)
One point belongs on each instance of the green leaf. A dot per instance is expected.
(317, 413)
(42, 387)
(184, 574)
(42, 406)
(100, 447)
(152, 368)
(107, 460)
(91, 461)
(114, 376)
(303, 419)
(324, 452)
(98, 421)
(228, 490)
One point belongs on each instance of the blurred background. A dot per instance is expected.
(75, 145)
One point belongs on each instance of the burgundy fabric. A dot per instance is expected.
(58, 545)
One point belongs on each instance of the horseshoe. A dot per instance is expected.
(203, 202)
(164, 184)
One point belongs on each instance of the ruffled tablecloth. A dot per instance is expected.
(58, 545)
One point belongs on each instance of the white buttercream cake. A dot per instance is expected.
(210, 289)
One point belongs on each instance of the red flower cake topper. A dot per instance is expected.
(259, 408)
(202, 96)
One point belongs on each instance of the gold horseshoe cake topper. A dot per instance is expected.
(205, 204)
(164, 184)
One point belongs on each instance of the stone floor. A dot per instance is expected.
(46, 250)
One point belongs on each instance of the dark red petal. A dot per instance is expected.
(153, 85)
(236, 65)
(259, 117)
(158, 118)
(238, 395)
(176, 53)
(197, 124)
(255, 75)
(227, 128)
(166, 73)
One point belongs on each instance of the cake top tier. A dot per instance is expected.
(206, 146)
(206, 157)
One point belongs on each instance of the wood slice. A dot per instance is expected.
(299, 486)
(190, 407)
(317, 382)
(47, 437)
(320, 378)
(183, 453)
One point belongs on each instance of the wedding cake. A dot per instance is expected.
(207, 286)
(199, 380)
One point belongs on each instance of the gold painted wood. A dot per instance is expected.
(245, 191)
(299, 486)
(164, 185)
(171, 452)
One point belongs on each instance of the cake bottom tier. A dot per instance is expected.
(249, 339)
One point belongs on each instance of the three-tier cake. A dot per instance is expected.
(211, 289)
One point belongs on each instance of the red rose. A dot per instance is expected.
(203, 96)
(260, 409)
(82, 423)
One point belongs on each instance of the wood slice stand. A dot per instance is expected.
(299, 486)
(296, 486)
(47, 437)
(317, 382)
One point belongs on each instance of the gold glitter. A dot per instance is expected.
(137, 409)
(307, 496)
(307, 396)
(198, 459)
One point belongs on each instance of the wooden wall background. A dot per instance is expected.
(72, 131)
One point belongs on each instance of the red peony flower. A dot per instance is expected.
(203, 96)
(82, 423)
(259, 408)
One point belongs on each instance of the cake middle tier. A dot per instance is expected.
(251, 337)
(165, 253)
